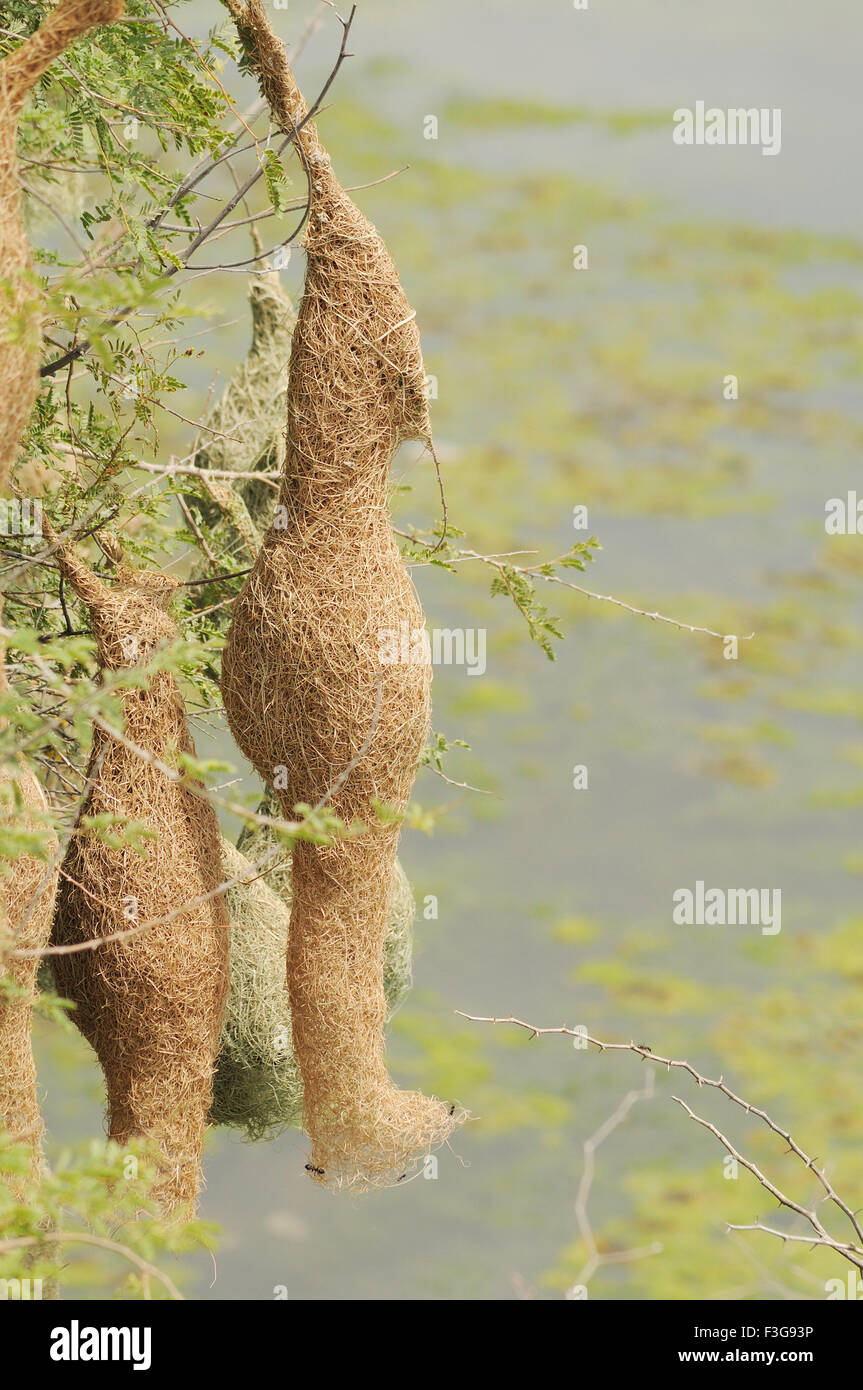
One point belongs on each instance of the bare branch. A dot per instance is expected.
(538, 572)
(648, 1055)
(147, 1270)
(849, 1250)
(596, 1258)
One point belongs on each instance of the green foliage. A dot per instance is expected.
(276, 179)
(91, 1225)
(433, 754)
(518, 583)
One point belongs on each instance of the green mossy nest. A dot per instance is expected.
(257, 1087)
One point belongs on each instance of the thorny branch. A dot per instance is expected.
(539, 571)
(192, 180)
(849, 1250)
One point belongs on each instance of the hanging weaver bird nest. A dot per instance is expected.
(245, 428)
(151, 999)
(19, 341)
(258, 1088)
(245, 434)
(303, 683)
(26, 907)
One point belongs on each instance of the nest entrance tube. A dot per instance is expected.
(150, 1001)
(304, 686)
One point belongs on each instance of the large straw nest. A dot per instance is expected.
(150, 1001)
(303, 684)
(19, 342)
(258, 1087)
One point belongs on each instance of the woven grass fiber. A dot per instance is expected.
(303, 684)
(244, 433)
(258, 1088)
(26, 907)
(19, 298)
(256, 842)
(150, 1003)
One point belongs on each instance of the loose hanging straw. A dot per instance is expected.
(308, 699)
(150, 1001)
(19, 350)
